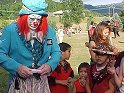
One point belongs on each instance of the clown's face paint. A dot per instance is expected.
(34, 21)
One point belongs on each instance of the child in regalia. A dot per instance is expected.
(99, 80)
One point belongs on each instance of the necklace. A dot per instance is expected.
(100, 68)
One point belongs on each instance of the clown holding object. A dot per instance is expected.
(29, 50)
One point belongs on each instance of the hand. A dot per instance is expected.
(83, 81)
(69, 80)
(115, 50)
(24, 71)
(111, 70)
(63, 82)
(44, 69)
(111, 63)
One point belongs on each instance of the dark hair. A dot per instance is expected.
(64, 46)
(119, 58)
(91, 23)
(83, 65)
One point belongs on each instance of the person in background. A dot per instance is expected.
(91, 30)
(29, 49)
(115, 29)
(79, 29)
(61, 78)
(80, 83)
(102, 35)
(99, 80)
(70, 30)
(60, 34)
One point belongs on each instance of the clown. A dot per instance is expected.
(29, 50)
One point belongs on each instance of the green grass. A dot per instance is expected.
(3, 80)
(79, 54)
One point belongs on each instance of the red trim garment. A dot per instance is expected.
(58, 88)
(99, 80)
(79, 88)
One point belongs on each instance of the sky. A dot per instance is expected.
(99, 2)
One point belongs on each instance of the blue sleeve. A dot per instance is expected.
(55, 52)
(5, 44)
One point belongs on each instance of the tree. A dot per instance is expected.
(66, 19)
(54, 6)
(73, 12)
(123, 5)
(121, 14)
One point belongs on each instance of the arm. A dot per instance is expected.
(118, 79)
(88, 90)
(53, 81)
(91, 46)
(111, 87)
(74, 89)
(115, 50)
(64, 82)
(55, 51)
(110, 38)
(5, 46)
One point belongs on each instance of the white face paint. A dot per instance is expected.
(34, 21)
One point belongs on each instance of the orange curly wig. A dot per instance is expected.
(23, 25)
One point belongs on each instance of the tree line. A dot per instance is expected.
(73, 10)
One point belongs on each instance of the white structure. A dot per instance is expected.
(58, 12)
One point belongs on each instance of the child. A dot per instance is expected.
(102, 35)
(61, 78)
(60, 34)
(79, 84)
(119, 79)
(99, 80)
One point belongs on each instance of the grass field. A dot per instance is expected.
(79, 54)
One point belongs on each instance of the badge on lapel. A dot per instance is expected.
(49, 41)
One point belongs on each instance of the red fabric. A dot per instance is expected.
(60, 76)
(101, 87)
(79, 88)
(91, 31)
(116, 23)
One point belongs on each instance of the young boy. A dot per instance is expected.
(80, 83)
(61, 78)
(99, 80)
